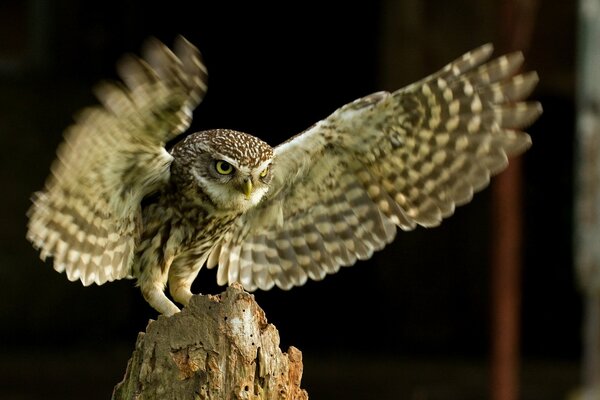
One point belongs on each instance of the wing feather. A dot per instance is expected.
(384, 161)
(87, 215)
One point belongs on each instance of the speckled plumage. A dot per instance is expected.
(119, 205)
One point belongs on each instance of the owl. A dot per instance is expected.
(118, 204)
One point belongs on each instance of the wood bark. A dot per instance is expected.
(218, 347)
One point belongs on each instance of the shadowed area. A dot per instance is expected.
(414, 318)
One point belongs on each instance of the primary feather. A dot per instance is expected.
(402, 159)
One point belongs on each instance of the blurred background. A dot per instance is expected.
(415, 321)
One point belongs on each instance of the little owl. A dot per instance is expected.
(119, 205)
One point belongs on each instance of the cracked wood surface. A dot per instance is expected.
(218, 347)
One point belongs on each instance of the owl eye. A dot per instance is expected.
(223, 167)
(264, 172)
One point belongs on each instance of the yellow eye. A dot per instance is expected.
(223, 167)
(264, 172)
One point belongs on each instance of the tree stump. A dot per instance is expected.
(218, 347)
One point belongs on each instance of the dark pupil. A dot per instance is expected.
(225, 166)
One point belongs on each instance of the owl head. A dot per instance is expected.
(231, 168)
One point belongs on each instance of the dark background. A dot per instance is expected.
(417, 315)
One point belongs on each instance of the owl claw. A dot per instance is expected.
(181, 295)
(170, 309)
(180, 289)
(159, 301)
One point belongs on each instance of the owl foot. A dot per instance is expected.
(182, 295)
(159, 301)
(180, 289)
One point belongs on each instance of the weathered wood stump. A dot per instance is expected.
(218, 347)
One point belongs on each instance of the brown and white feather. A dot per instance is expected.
(387, 160)
(87, 217)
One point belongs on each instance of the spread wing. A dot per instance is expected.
(86, 216)
(387, 160)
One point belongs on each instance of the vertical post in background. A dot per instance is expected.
(506, 283)
(587, 192)
(507, 223)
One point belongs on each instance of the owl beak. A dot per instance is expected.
(247, 188)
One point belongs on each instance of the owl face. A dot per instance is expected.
(232, 168)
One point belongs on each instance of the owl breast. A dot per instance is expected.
(177, 237)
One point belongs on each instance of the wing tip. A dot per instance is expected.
(486, 48)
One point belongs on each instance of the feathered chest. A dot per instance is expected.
(172, 233)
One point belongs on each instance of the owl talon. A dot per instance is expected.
(181, 293)
(159, 301)
(182, 296)
(170, 309)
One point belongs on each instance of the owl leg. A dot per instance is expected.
(152, 283)
(181, 277)
(155, 296)
(180, 289)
